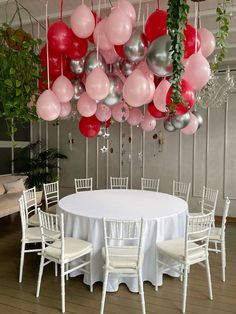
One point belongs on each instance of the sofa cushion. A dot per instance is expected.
(14, 187)
(9, 203)
(2, 190)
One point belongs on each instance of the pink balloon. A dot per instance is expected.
(86, 105)
(120, 112)
(152, 90)
(197, 71)
(145, 69)
(159, 97)
(65, 109)
(121, 76)
(99, 36)
(128, 9)
(48, 106)
(148, 123)
(135, 116)
(136, 89)
(192, 127)
(103, 112)
(82, 21)
(208, 42)
(63, 89)
(110, 56)
(97, 84)
(119, 27)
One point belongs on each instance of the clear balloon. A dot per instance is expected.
(148, 123)
(79, 88)
(65, 110)
(135, 48)
(86, 105)
(208, 42)
(120, 112)
(82, 21)
(115, 90)
(192, 126)
(92, 62)
(181, 121)
(63, 89)
(159, 97)
(158, 56)
(77, 66)
(97, 84)
(199, 118)
(135, 116)
(48, 106)
(127, 67)
(103, 112)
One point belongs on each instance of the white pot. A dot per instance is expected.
(39, 195)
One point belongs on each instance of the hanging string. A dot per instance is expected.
(143, 23)
(139, 10)
(92, 4)
(47, 23)
(158, 4)
(195, 23)
(199, 24)
(99, 7)
(147, 11)
(61, 8)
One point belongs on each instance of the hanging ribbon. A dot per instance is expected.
(47, 50)
(61, 8)
(195, 23)
(158, 4)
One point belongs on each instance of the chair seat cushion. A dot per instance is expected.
(52, 209)
(34, 234)
(175, 249)
(73, 248)
(215, 234)
(122, 257)
(33, 220)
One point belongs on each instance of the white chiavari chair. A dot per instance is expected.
(83, 184)
(150, 184)
(119, 183)
(181, 189)
(30, 201)
(51, 195)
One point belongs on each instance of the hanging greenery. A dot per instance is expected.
(176, 24)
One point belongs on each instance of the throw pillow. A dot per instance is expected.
(14, 187)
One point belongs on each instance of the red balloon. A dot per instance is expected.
(59, 36)
(157, 80)
(156, 25)
(187, 95)
(120, 51)
(89, 126)
(155, 112)
(97, 19)
(108, 123)
(190, 41)
(78, 48)
(54, 61)
(69, 74)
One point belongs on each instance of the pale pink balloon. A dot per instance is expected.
(100, 37)
(86, 105)
(103, 112)
(121, 76)
(148, 123)
(97, 84)
(48, 106)
(152, 90)
(145, 69)
(119, 27)
(192, 126)
(82, 21)
(136, 89)
(63, 88)
(197, 71)
(65, 109)
(208, 42)
(135, 116)
(159, 97)
(120, 112)
(110, 56)
(128, 9)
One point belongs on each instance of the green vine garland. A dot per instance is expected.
(176, 24)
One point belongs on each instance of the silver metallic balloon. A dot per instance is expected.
(79, 88)
(181, 121)
(115, 92)
(199, 118)
(92, 62)
(126, 67)
(168, 125)
(135, 47)
(77, 66)
(158, 56)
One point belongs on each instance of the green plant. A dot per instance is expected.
(40, 166)
(176, 24)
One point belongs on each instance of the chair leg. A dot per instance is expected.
(140, 279)
(67, 268)
(185, 288)
(209, 279)
(223, 260)
(216, 248)
(40, 275)
(90, 273)
(63, 288)
(22, 257)
(56, 272)
(104, 290)
(181, 270)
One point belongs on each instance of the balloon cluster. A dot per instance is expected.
(126, 69)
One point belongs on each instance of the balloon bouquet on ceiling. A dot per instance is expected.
(127, 69)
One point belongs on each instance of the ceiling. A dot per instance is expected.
(37, 9)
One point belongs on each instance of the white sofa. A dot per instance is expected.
(9, 201)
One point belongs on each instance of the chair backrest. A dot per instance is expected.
(51, 193)
(123, 234)
(52, 227)
(30, 200)
(23, 216)
(197, 232)
(181, 189)
(209, 200)
(83, 184)
(224, 218)
(119, 183)
(150, 184)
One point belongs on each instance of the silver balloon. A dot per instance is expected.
(168, 125)
(93, 61)
(127, 67)
(135, 47)
(159, 57)
(199, 118)
(77, 66)
(79, 88)
(115, 92)
(181, 121)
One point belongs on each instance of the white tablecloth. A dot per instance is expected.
(164, 217)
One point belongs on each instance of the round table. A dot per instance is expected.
(164, 217)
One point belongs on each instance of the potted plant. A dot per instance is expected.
(40, 166)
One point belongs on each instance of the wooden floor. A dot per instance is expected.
(20, 298)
